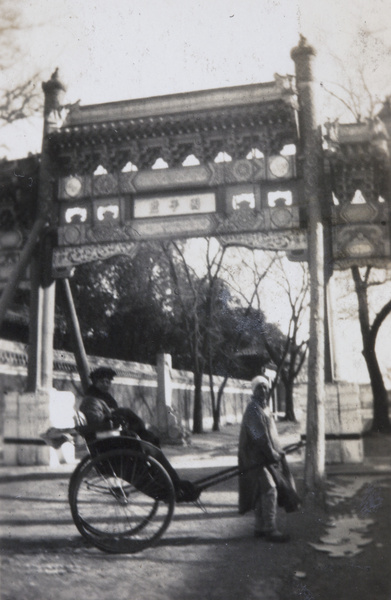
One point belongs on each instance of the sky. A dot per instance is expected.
(123, 49)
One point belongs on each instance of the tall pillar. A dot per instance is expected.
(48, 314)
(310, 147)
(34, 367)
(29, 415)
(40, 366)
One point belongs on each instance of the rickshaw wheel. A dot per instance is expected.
(121, 501)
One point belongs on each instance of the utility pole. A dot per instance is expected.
(311, 151)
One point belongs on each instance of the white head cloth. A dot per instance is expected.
(258, 380)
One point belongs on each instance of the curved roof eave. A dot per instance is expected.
(173, 104)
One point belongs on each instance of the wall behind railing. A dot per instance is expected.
(134, 386)
(363, 392)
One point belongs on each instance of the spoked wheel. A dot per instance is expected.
(121, 500)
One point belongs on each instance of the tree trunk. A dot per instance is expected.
(289, 406)
(215, 411)
(220, 394)
(381, 421)
(216, 420)
(197, 409)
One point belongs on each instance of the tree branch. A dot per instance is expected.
(380, 317)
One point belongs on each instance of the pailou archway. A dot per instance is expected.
(209, 163)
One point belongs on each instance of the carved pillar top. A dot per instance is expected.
(54, 90)
(303, 55)
(310, 135)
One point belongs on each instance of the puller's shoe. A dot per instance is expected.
(259, 534)
(277, 536)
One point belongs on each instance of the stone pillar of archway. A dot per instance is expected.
(40, 369)
(310, 142)
(30, 414)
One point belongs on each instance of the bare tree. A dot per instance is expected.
(354, 95)
(369, 331)
(287, 351)
(217, 316)
(248, 301)
(359, 98)
(289, 356)
(196, 298)
(354, 91)
(22, 99)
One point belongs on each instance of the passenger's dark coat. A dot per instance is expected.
(98, 411)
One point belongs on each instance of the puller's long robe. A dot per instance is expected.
(258, 447)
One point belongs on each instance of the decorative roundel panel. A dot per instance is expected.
(279, 166)
(73, 187)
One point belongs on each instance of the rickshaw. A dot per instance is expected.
(122, 499)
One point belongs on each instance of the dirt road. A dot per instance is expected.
(203, 555)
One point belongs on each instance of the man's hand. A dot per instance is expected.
(276, 456)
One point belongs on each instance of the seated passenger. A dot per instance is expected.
(100, 407)
(102, 412)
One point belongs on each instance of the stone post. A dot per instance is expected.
(310, 148)
(164, 392)
(333, 333)
(168, 428)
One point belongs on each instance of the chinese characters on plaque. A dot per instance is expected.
(167, 206)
